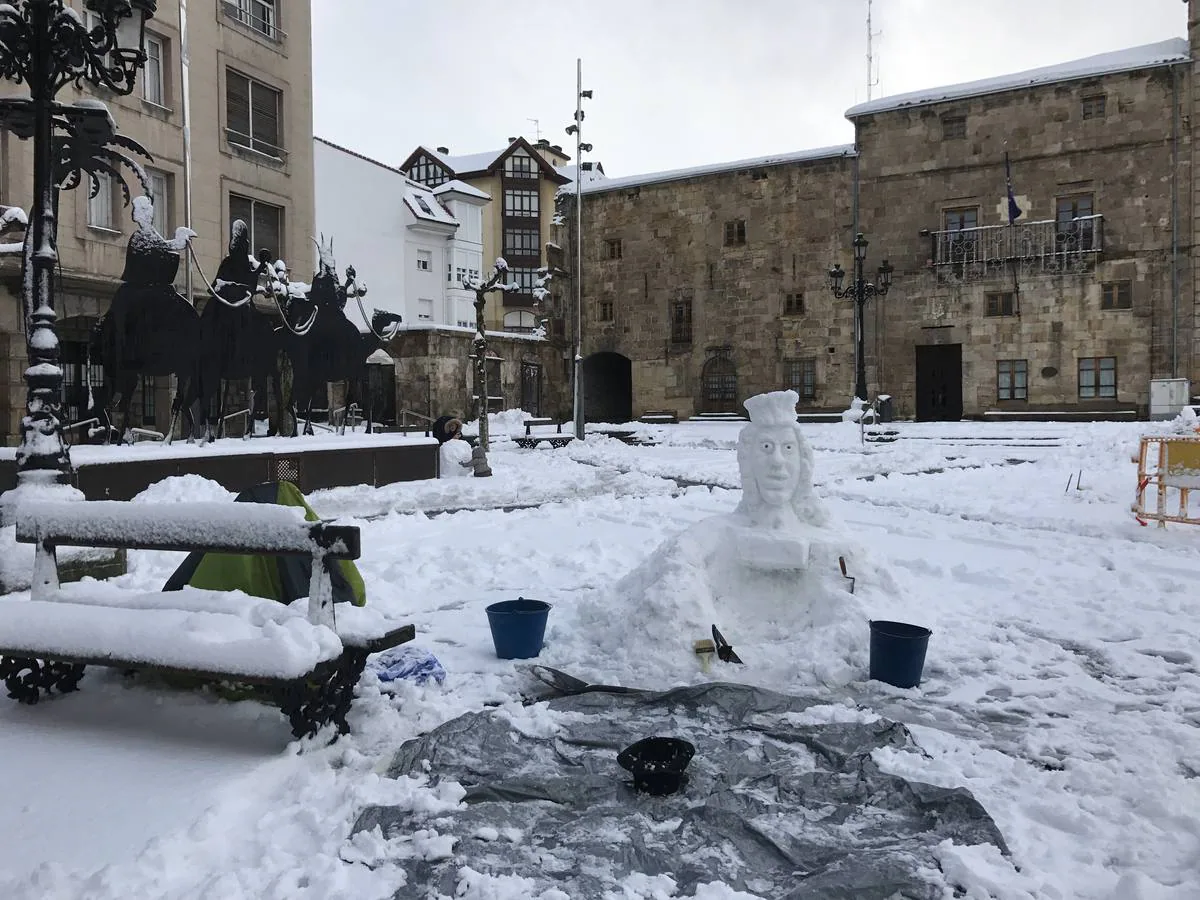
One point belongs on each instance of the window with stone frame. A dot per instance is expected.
(605, 311)
(101, 206)
(735, 233)
(1098, 378)
(681, 320)
(1012, 379)
(1094, 106)
(154, 82)
(954, 128)
(1116, 295)
(800, 375)
(148, 400)
(612, 249)
(793, 304)
(1000, 303)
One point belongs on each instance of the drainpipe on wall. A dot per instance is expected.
(185, 93)
(1174, 222)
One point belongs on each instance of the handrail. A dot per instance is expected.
(405, 413)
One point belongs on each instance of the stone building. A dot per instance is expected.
(249, 107)
(705, 286)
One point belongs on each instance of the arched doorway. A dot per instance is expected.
(718, 384)
(607, 388)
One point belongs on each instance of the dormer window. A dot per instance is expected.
(428, 172)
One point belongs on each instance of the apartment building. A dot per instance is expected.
(244, 98)
(522, 179)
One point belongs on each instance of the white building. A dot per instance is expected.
(411, 245)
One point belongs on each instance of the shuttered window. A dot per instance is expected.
(253, 112)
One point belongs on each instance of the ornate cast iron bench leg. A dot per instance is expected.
(26, 678)
(324, 695)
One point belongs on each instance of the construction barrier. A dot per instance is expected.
(1168, 471)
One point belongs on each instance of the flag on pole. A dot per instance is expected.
(1014, 211)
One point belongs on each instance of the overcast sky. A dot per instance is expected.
(677, 83)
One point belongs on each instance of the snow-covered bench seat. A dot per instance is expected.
(305, 656)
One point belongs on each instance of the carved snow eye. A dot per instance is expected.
(789, 447)
(767, 446)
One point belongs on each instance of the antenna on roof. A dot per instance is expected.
(537, 128)
(872, 68)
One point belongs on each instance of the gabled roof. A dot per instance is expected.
(758, 162)
(477, 164)
(1147, 56)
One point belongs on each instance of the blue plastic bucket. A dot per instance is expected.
(898, 652)
(518, 627)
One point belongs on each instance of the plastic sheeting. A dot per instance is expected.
(783, 800)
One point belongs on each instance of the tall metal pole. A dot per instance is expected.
(860, 356)
(577, 407)
(185, 63)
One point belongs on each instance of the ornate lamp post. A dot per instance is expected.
(860, 291)
(46, 45)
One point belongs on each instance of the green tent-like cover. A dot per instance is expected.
(282, 578)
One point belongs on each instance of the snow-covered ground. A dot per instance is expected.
(1062, 685)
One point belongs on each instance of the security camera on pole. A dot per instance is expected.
(580, 148)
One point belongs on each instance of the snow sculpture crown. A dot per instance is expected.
(773, 408)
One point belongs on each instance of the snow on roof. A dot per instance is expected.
(460, 187)
(595, 173)
(425, 205)
(1164, 53)
(472, 162)
(612, 184)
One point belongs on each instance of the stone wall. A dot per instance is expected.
(434, 371)
(1125, 159)
(673, 250)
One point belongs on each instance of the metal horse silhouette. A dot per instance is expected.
(332, 349)
(237, 342)
(149, 329)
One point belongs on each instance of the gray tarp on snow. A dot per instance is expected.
(774, 806)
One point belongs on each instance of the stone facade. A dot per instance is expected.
(434, 372)
(275, 54)
(1075, 307)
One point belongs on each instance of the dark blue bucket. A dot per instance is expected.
(518, 627)
(898, 652)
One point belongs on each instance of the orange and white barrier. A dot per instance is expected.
(1168, 471)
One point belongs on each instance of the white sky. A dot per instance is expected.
(677, 82)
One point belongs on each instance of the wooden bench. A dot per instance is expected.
(306, 657)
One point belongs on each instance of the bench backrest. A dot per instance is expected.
(216, 527)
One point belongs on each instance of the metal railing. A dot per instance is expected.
(255, 15)
(1049, 246)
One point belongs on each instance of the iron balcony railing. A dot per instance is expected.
(1049, 246)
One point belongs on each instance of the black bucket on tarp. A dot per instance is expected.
(898, 652)
(657, 764)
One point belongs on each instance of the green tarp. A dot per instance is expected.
(282, 578)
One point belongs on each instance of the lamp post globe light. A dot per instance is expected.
(46, 45)
(860, 291)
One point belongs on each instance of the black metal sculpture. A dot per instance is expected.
(331, 348)
(237, 342)
(149, 329)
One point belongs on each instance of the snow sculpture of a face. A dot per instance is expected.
(774, 459)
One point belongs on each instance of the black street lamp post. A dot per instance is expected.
(46, 45)
(860, 291)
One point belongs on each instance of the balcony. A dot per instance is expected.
(1047, 247)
